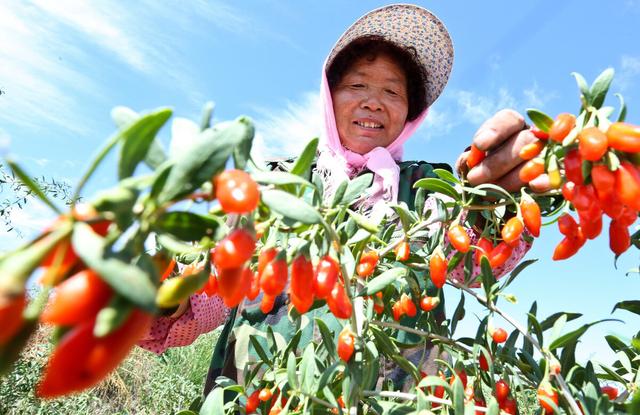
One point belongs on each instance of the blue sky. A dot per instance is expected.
(65, 64)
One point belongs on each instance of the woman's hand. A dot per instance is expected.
(502, 136)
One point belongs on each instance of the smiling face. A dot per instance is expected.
(370, 103)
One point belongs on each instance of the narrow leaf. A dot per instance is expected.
(540, 119)
(438, 186)
(137, 138)
(290, 206)
(186, 226)
(381, 281)
(600, 87)
(356, 188)
(303, 162)
(629, 305)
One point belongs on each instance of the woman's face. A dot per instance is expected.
(370, 104)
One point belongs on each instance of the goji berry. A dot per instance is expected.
(378, 305)
(236, 191)
(397, 310)
(242, 288)
(567, 225)
(485, 246)
(619, 239)
(561, 127)
(627, 185)
(624, 137)
(591, 227)
(568, 247)
(540, 135)
(531, 215)
(531, 170)
(274, 277)
(499, 335)
(592, 144)
(81, 360)
(302, 283)
(76, 299)
(584, 196)
(326, 276)
(403, 250)
(475, 156)
(573, 167)
(265, 394)
(509, 406)
(610, 391)
(500, 254)
(429, 303)
(338, 301)
(253, 401)
(531, 150)
(234, 250)
(567, 190)
(459, 238)
(512, 230)
(408, 306)
(502, 390)
(483, 363)
(367, 264)
(228, 281)
(603, 180)
(211, 287)
(267, 302)
(266, 255)
(11, 309)
(438, 269)
(346, 344)
(545, 390)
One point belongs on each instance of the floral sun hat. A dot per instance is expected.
(408, 26)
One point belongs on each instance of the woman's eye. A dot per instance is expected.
(391, 92)
(357, 86)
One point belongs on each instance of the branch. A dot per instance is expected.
(560, 380)
(422, 333)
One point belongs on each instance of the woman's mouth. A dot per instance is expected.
(369, 124)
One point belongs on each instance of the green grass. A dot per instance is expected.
(144, 384)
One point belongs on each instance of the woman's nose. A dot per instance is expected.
(371, 101)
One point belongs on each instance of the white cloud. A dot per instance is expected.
(27, 222)
(285, 131)
(629, 71)
(47, 52)
(477, 108)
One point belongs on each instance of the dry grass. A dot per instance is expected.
(143, 384)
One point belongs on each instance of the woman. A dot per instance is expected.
(377, 85)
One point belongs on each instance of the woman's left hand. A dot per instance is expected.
(502, 136)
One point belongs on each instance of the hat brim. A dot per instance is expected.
(408, 26)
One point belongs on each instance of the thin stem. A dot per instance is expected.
(413, 397)
(94, 165)
(492, 307)
(420, 227)
(421, 333)
(316, 400)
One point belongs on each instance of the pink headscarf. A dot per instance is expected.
(338, 163)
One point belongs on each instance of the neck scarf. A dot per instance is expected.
(337, 163)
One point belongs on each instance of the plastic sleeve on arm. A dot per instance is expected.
(202, 316)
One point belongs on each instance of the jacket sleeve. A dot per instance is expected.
(202, 315)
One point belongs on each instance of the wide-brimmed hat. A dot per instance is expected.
(408, 25)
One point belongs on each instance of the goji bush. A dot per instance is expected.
(240, 235)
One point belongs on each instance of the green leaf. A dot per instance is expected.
(363, 222)
(207, 113)
(177, 247)
(622, 115)
(128, 280)
(26, 180)
(173, 291)
(156, 155)
(337, 196)
(517, 270)
(381, 281)
(629, 305)
(204, 159)
(291, 370)
(259, 349)
(327, 337)
(446, 175)
(356, 188)
(547, 323)
(407, 217)
(308, 368)
(279, 178)
(574, 335)
(214, 404)
(458, 314)
(290, 206)
(582, 85)
(493, 407)
(438, 186)
(488, 279)
(540, 119)
(186, 226)
(557, 327)
(137, 138)
(457, 395)
(600, 87)
(304, 161)
(17, 266)
(112, 316)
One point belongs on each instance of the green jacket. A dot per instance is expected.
(232, 350)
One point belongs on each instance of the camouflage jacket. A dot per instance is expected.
(234, 350)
